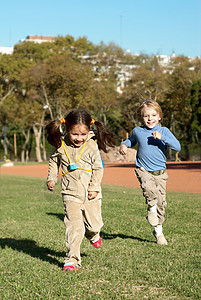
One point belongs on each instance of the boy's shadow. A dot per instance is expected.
(59, 216)
(107, 236)
(110, 236)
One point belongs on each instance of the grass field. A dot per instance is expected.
(129, 265)
(19, 163)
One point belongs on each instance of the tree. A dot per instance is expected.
(104, 99)
(10, 69)
(111, 50)
(84, 47)
(33, 52)
(177, 107)
(177, 95)
(148, 81)
(59, 84)
(195, 102)
(68, 83)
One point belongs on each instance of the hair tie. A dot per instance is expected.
(63, 120)
(92, 121)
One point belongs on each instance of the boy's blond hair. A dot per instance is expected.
(150, 104)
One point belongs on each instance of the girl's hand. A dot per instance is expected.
(123, 149)
(50, 185)
(92, 195)
(156, 135)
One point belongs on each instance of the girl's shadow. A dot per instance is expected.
(107, 236)
(30, 247)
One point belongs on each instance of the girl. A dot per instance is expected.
(78, 155)
(150, 162)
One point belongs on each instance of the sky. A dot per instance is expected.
(140, 26)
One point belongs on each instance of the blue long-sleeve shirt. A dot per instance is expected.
(151, 152)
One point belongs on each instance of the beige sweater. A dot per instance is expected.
(77, 183)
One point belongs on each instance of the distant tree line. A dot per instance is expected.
(41, 82)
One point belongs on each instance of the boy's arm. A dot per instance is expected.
(123, 149)
(128, 143)
(131, 141)
(170, 140)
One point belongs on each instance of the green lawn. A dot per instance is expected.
(129, 265)
(19, 163)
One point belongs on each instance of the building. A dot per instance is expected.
(38, 39)
(6, 50)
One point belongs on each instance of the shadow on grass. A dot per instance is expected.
(104, 235)
(59, 216)
(110, 236)
(30, 247)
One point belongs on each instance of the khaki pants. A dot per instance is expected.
(154, 190)
(81, 219)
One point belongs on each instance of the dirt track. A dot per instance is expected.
(183, 176)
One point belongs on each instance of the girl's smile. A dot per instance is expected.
(150, 117)
(78, 134)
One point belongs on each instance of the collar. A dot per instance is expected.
(152, 129)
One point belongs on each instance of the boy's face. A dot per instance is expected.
(150, 117)
(78, 134)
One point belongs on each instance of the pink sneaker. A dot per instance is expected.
(70, 267)
(97, 244)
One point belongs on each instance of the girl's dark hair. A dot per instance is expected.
(53, 133)
(104, 137)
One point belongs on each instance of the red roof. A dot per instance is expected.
(40, 37)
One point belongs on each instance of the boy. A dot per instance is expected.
(152, 140)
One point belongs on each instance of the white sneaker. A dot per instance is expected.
(161, 240)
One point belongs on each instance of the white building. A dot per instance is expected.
(6, 50)
(38, 39)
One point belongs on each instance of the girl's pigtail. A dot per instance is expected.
(54, 133)
(104, 137)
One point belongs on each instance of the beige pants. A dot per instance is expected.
(154, 190)
(81, 219)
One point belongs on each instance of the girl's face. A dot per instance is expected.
(150, 117)
(78, 134)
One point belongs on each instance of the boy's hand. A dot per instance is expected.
(92, 195)
(50, 185)
(156, 135)
(123, 149)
